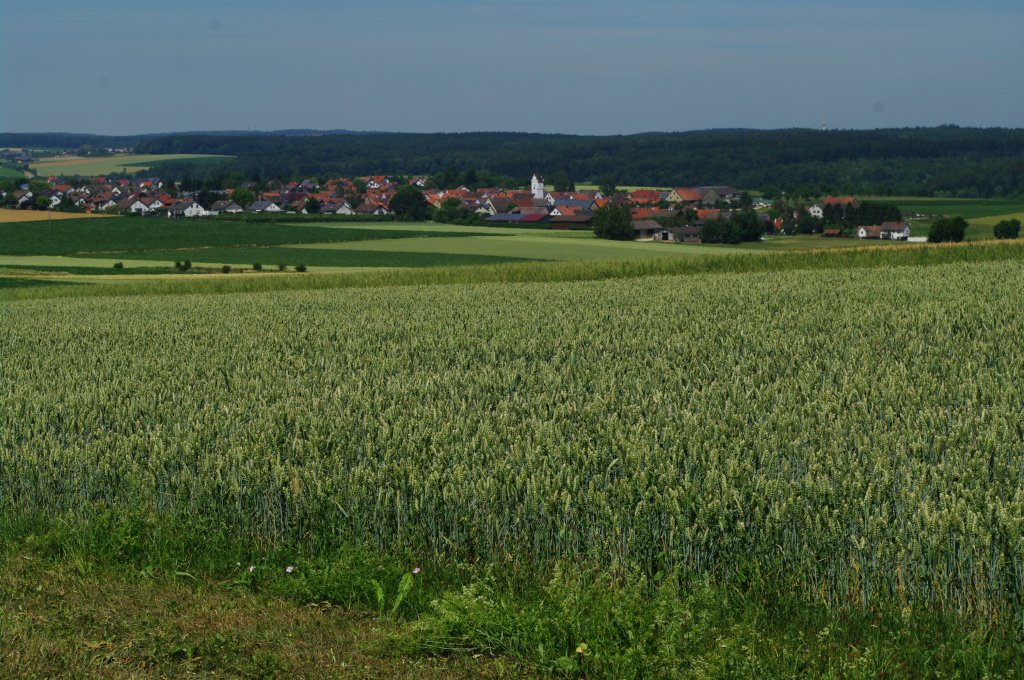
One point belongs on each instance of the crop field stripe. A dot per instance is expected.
(135, 234)
(551, 272)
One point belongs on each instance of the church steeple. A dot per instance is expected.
(537, 186)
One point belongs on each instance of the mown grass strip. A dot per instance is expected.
(312, 257)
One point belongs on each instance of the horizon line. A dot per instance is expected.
(345, 131)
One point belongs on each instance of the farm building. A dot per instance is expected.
(894, 231)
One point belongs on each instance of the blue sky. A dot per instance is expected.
(597, 67)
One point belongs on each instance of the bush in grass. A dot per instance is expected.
(226, 269)
(257, 267)
(1007, 229)
(947, 229)
(281, 266)
(300, 267)
(119, 265)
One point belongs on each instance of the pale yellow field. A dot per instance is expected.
(8, 216)
(104, 165)
(994, 219)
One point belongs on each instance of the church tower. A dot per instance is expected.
(537, 186)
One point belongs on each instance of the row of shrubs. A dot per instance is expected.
(226, 269)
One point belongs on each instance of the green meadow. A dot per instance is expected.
(968, 208)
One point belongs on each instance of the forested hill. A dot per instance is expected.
(921, 161)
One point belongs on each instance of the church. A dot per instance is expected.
(537, 186)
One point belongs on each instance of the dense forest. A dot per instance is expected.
(947, 160)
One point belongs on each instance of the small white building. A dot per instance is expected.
(895, 231)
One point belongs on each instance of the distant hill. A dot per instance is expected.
(922, 161)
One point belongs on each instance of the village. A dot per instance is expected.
(672, 215)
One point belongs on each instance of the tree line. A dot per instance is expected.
(939, 161)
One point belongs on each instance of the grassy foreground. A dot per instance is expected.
(82, 619)
(102, 600)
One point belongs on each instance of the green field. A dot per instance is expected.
(10, 173)
(968, 208)
(125, 235)
(711, 466)
(106, 165)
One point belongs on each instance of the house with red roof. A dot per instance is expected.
(688, 195)
(645, 196)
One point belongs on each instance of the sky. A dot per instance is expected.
(568, 66)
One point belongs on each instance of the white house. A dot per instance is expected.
(343, 208)
(891, 231)
(896, 231)
(144, 206)
(225, 206)
(186, 209)
(263, 206)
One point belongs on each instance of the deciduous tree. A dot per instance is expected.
(409, 205)
(614, 222)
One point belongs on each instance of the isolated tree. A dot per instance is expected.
(451, 210)
(41, 202)
(607, 185)
(561, 181)
(750, 228)
(313, 206)
(1007, 229)
(449, 179)
(721, 230)
(614, 222)
(409, 205)
(207, 198)
(243, 197)
(947, 229)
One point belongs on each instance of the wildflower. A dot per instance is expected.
(252, 568)
(289, 569)
(415, 571)
(582, 648)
